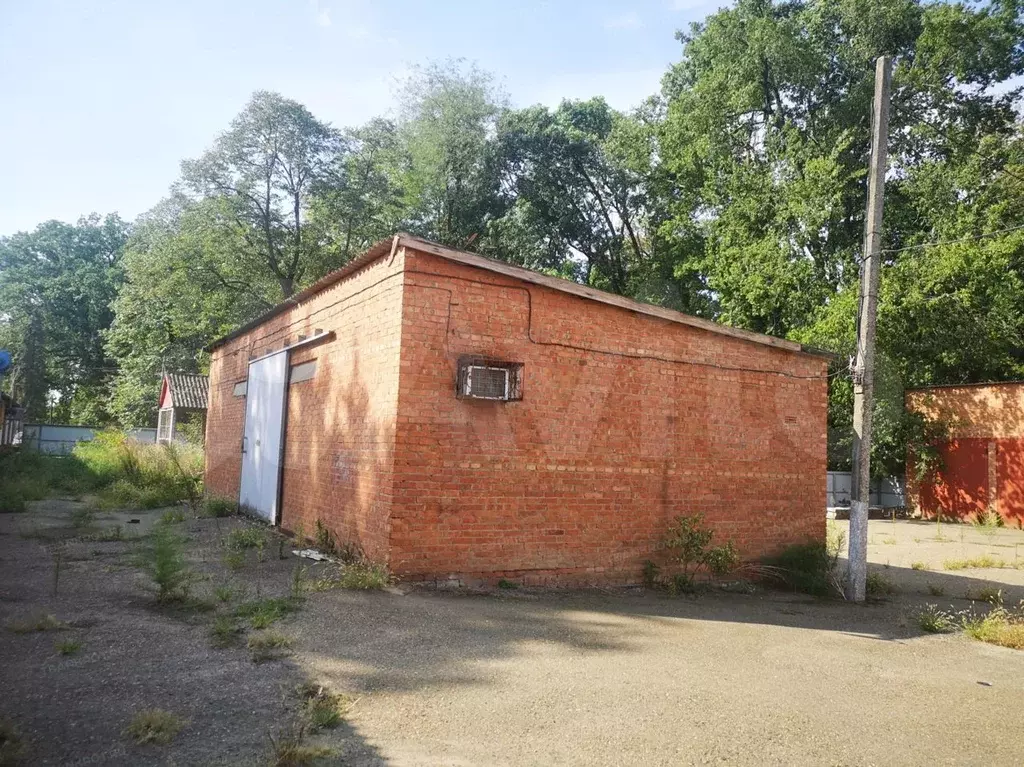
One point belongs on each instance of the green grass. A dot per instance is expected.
(243, 538)
(154, 725)
(508, 585)
(262, 613)
(68, 646)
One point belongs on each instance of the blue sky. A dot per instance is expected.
(101, 100)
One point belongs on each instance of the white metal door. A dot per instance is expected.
(263, 435)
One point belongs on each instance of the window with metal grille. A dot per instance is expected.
(489, 379)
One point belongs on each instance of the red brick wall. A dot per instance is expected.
(981, 463)
(580, 480)
(340, 424)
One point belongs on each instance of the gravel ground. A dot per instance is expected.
(508, 678)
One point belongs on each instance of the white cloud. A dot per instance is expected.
(625, 21)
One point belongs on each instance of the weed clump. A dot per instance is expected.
(324, 709)
(154, 725)
(68, 646)
(288, 750)
(214, 506)
(268, 645)
(225, 631)
(262, 613)
(878, 586)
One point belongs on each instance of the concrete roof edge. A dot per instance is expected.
(384, 247)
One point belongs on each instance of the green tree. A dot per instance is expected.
(189, 279)
(264, 168)
(448, 114)
(56, 286)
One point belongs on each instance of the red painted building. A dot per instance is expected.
(982, 463)
(462, 418)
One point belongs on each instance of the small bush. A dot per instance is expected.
(507, 585)
(262, 613)
(879, 586)
(936, 591)
(268, 645)
(164, 561)
(154, 725)
(219, 507)
(690, 542)
(45, 622)
(918, 566)
(68, 646)
(807, 567)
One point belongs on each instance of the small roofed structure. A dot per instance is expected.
(183, 400)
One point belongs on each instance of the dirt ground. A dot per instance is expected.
(508, 678)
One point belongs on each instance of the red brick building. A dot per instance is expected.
(982, 462)
(460, 417)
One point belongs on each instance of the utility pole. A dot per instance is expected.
(864, 367)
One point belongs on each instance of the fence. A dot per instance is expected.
(886, 493)
(58, 439)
